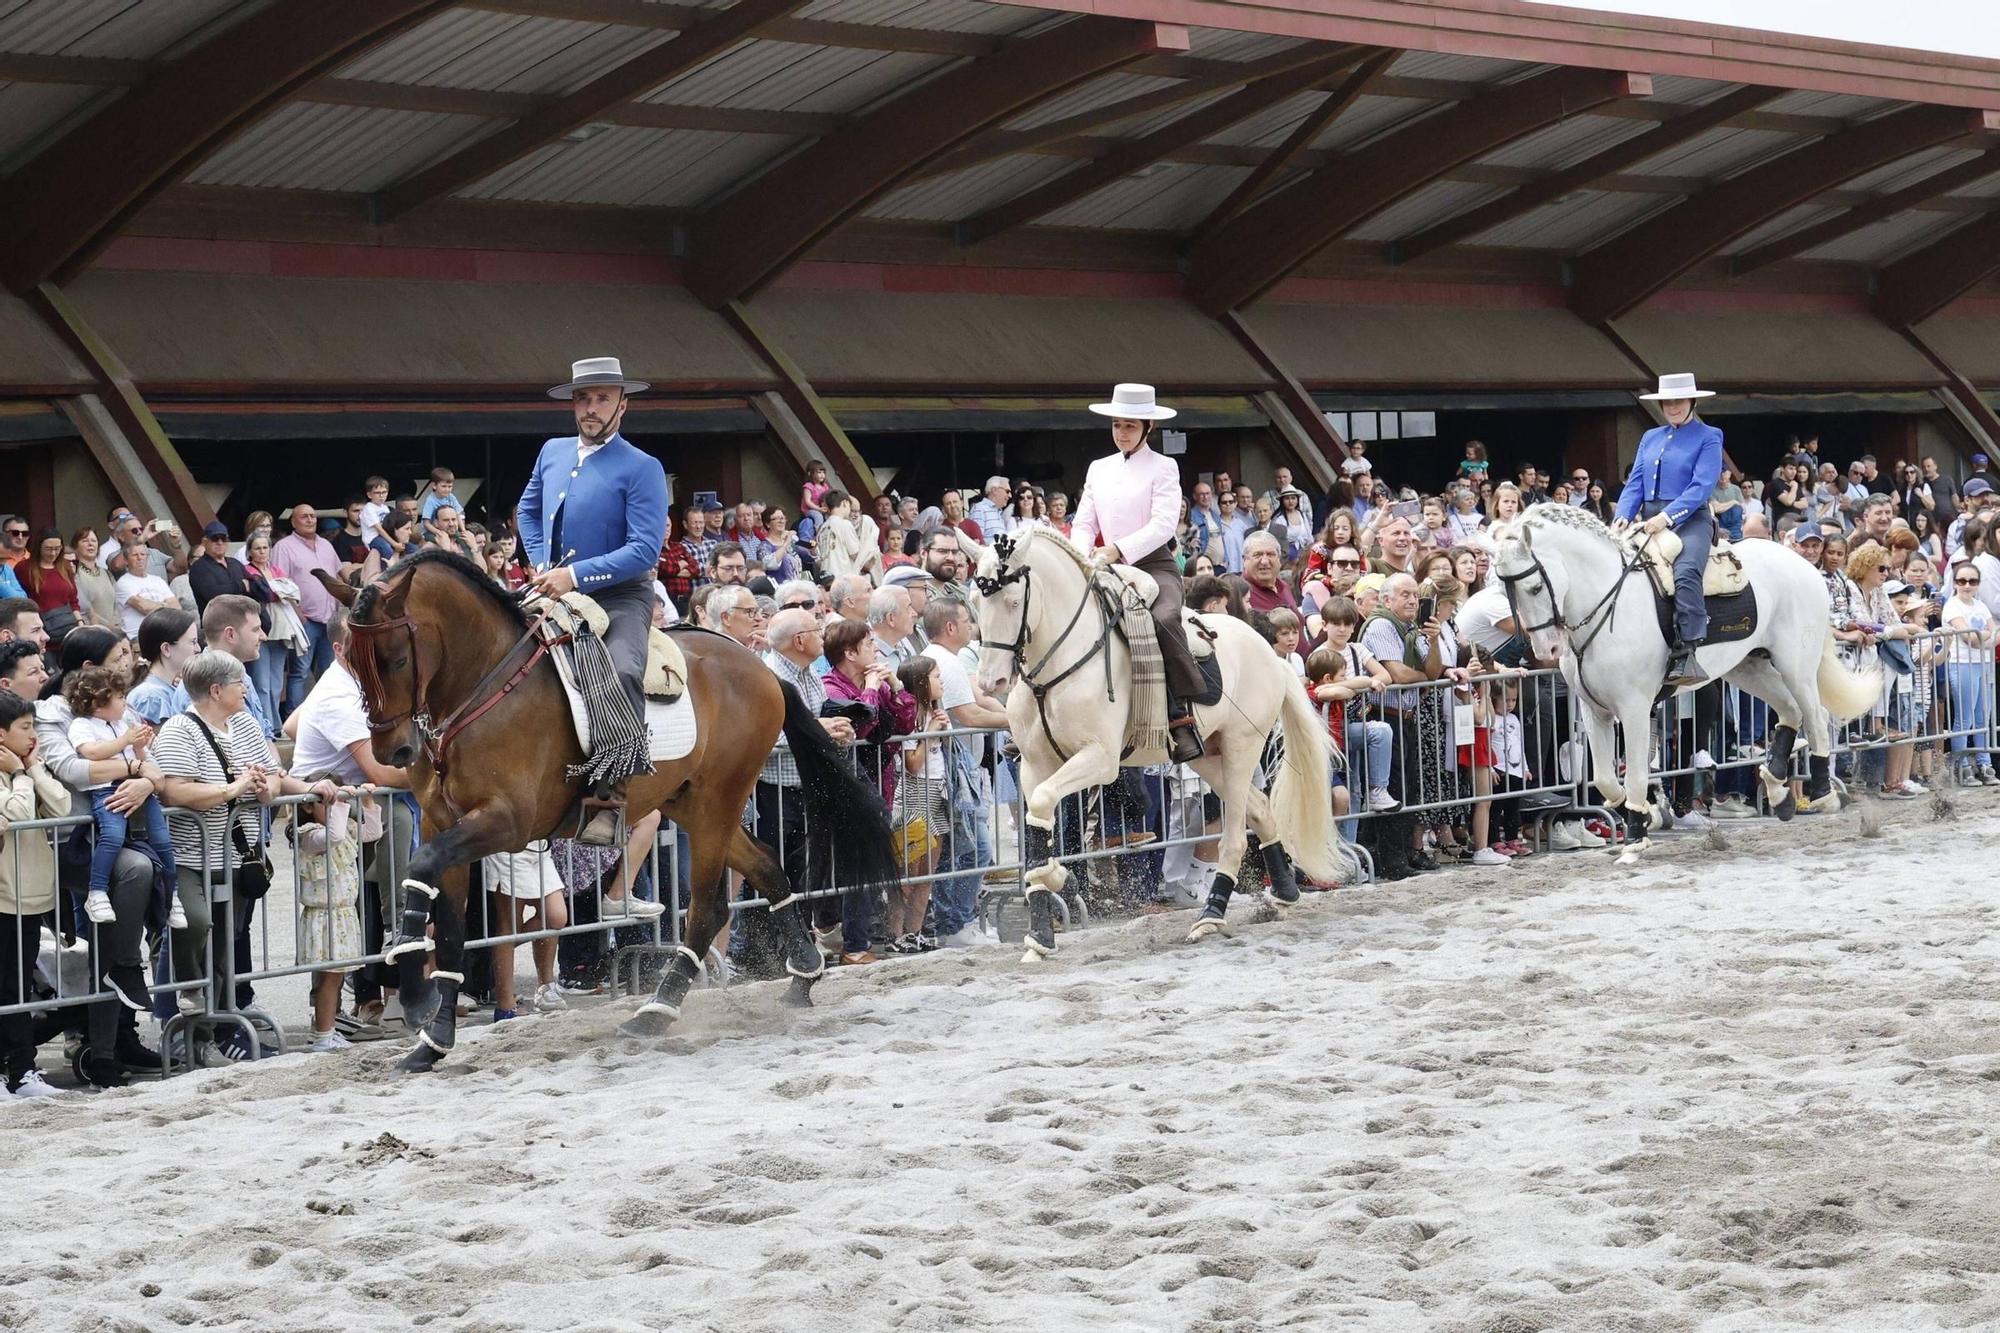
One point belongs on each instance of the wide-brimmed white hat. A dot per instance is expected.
(1134, 402)
(1676, 387)
(593, 371)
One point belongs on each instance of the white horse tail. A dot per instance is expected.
(1301, 799)
(1844, 691)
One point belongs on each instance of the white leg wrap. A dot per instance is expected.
(660, 1007)
(424, 945)
(420, 887)
(441, 975)
(700, 968)
(424, 1039)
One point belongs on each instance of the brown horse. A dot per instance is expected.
(458, 692)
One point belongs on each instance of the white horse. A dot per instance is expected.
(1050, 648)
(1574, 587)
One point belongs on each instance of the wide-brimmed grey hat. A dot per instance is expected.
(594, 372)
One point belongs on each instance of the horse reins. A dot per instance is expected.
(501, 680)
(1099, 597)
(1556, 621)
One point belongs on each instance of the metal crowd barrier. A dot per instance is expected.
(1134, 825)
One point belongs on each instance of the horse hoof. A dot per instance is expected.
(1207, 926)
(1274, 900)
(421, 1060)
(799, 995)
(646, 1023)
(1030, 956)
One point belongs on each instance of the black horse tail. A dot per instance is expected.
(845, 817)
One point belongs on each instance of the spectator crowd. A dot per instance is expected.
(171, 692)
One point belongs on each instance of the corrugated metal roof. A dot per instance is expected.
(503, 52)
(1683, 91)
(1434, 203)
(1910, 170)
(935, 15)
(1171, 200)
(785, 76)
(121, 29)
(1787, 222)
(1269, 127)
(1890, 238)
(1105, 90)
(1717, 153)
(1840, 106)
(634, 168)
(311, 146)
(960, 194)
(1457, 69)
(1979, 189)
(1221, 44)
(1576, 221)
(29, 112)
(1566, 143)
(1370, 116)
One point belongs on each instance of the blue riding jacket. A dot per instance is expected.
(1676, 465)
(610, 509)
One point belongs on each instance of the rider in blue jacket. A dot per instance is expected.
(592, 519)
(1672, 478)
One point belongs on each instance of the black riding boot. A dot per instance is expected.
(1683, 671)
(1183, 741)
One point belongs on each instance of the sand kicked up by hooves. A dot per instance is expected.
(1743, 1088)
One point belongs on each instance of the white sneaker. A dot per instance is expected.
(549, 998)
(629, 908)
(1380, 800)
(1691, 822)
(323, 1042)
(965, 937)
(1912, 787)
(32, 1086)
(1562, 838)
(1584, 837)
(1486, 856)
(97, 906)
(1732, 807)
(177, 917)
(1703, 759)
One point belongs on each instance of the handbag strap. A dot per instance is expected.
(236, 834)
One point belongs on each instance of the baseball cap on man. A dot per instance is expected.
(1808, 532)
(1978, 486)
(215, 530)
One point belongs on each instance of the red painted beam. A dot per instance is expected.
(1854, 219)
(1616, 277)
(1246, 256)
(1550, 188)
(73, 195)
(1920, 284)
(622, 83)
(1301, 138)
(739, 246)
(1136, 154)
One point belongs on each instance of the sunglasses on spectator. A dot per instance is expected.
(1345, 564)
(17, 532)
(1966, 583)
(798, 606)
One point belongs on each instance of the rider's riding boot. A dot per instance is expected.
(1683, 670)
(605, 806)
(1183, 741)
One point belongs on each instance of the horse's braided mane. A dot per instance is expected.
(1054, 538)
(371, 596)
(1569, 516)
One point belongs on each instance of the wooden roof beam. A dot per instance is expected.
(1246, 256)
(71, 197)
(1616, 277)
(1279, 159)
(741, 244)
(1135, 154)
(1581, 176)
(1002, 142)
(552, 120)
(1925, 281)
(1867, 214)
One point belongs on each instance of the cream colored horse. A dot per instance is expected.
(1047, 646)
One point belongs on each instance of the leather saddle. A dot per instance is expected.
(666, 666)
(1725, 586)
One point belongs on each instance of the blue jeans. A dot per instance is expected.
(267, 677)
(1965, 685)
(309, 665)
(1368, 756)
(1697, 534)
(113, 829)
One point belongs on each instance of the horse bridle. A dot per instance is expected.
(1536, 569)
(1018, 649)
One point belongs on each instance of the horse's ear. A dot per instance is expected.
(343, 591)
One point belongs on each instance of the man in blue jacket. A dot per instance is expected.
(592, 519)
(1672, 478)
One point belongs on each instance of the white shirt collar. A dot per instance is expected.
(584, 451)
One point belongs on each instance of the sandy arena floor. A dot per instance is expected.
(1748, 1088)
